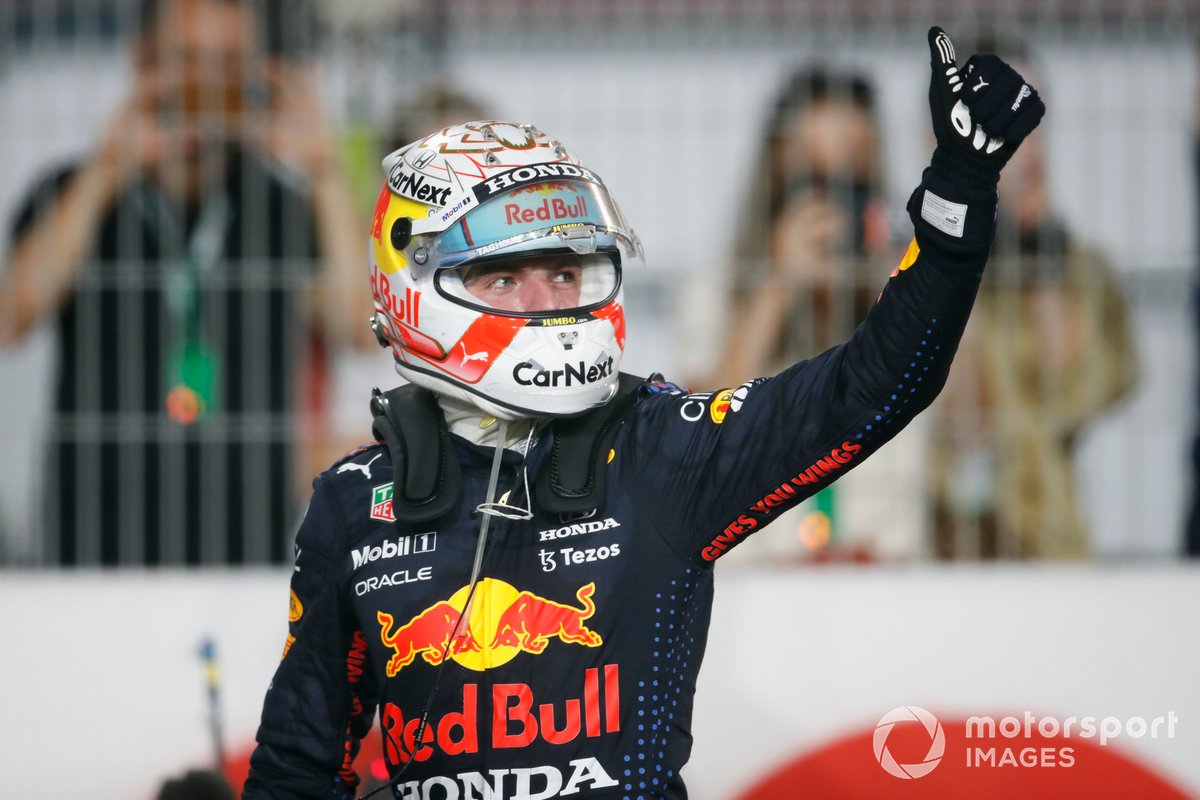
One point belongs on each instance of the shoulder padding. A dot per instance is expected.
(573, 479)
(408, 421)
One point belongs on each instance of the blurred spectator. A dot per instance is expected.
(196, 785)
(1047, 349)
(814, 229)
(814, 251)
(1191, 538)
(431, 106)
(180, 264)
(434, 106)
(355, 370)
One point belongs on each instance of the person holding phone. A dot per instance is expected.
(188, 264)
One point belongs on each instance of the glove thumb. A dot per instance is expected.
(945, 84)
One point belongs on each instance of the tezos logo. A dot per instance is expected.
(937, 742)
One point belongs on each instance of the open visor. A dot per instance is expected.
(534, 283)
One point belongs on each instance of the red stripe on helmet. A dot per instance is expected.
(381, 206)
(614, 312)
(474, 353)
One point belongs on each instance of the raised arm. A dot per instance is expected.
(750, 452)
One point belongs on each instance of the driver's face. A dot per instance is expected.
(526, 285)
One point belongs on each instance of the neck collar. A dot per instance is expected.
(469, 422)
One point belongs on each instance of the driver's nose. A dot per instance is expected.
(537, 294)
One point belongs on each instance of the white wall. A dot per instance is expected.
(103, 693)
(798, 659)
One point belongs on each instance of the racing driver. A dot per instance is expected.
(517, 577)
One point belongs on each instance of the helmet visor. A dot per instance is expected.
(554, 214)
(534, 207)
(534, 283)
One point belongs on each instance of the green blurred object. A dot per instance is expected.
(361, 159)
(193, 370)
(825, 502)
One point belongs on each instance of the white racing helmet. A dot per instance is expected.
(484, 195)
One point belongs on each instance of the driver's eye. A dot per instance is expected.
(486, 280)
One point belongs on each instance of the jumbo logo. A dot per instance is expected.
(501, 623)
(406, 310)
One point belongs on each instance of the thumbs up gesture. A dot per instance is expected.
(981, 112)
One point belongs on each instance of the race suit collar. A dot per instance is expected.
(470, 423)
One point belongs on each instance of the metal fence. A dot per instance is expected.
(186, 348)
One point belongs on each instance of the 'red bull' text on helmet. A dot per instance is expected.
(466, 216)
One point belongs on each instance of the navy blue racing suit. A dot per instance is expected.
(573, 674)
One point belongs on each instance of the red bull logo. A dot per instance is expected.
(500, 623)
(518, 718)
(550, 209)
(405, 309)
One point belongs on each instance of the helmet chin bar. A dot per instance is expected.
(488, 405)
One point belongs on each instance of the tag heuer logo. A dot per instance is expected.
(381, 503)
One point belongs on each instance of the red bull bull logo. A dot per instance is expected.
(501, 623)
(531, 621)
(432, 634)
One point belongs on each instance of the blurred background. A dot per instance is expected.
(183, 345)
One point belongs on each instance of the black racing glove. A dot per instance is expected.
(980, 113)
